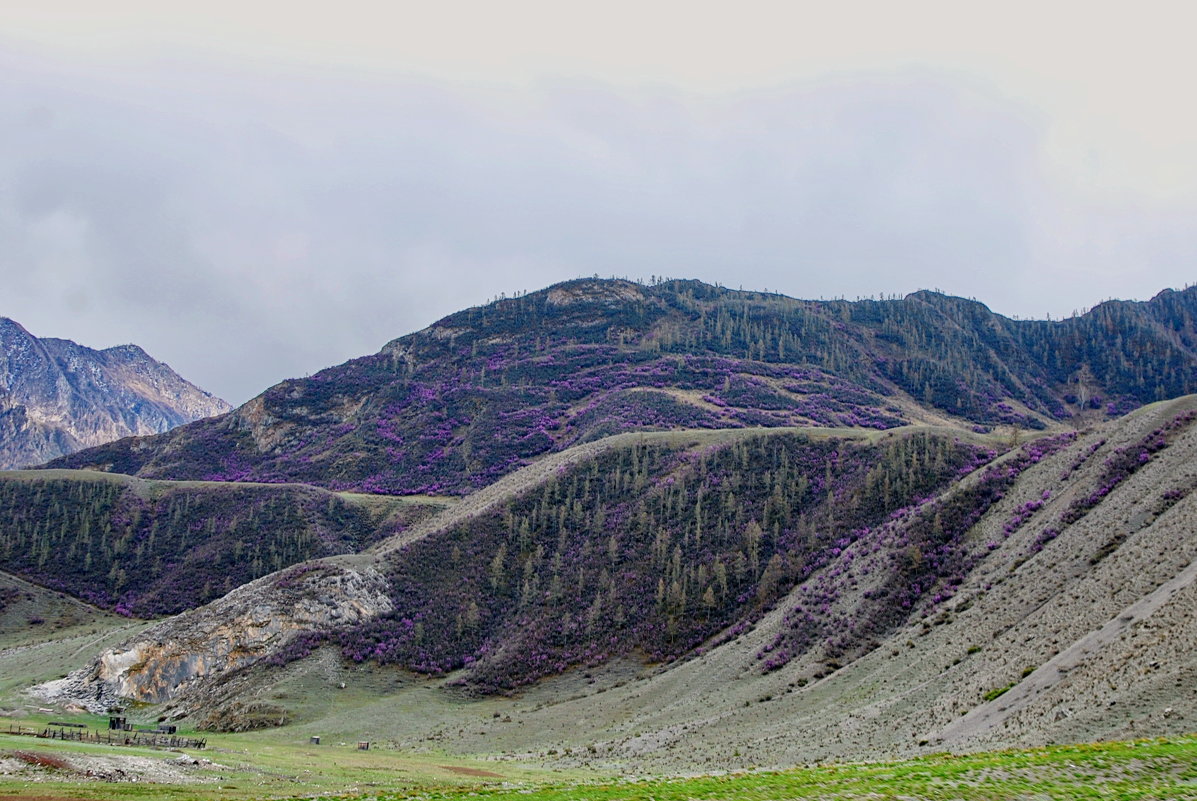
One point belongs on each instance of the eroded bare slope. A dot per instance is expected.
(1095, 629)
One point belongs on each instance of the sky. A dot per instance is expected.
(253, 191)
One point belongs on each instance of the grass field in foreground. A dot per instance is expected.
(1145, 769)
(237, 766)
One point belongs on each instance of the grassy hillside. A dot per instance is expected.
(777, 573)
(857, 566)
(29, 613)
(1060, 611)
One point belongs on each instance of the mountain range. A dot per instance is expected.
(57, 397)
(871, 519)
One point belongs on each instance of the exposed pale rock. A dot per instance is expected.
(606, 292)
(204, 645)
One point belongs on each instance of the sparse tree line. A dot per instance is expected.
(488, 390)
(102, 542)
(649, 549)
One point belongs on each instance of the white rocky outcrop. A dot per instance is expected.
(202, 646)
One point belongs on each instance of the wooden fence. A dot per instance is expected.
(148, 739)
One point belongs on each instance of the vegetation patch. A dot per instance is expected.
(997, 692)
(241, 716)
(647, 548)
(489, 389)
(1140, 770)
(176, 547)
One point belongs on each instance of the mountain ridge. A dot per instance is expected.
(57, 396)
(876, 517)
(452, 407)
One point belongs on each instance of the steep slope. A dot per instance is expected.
(490, 389)
(645, 543)
(1081, 604)
(892, 582)
(650, 548)
(57, 397)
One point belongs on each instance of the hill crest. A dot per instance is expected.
(484, 391)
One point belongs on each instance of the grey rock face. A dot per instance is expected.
(197, 650)
(57, 397)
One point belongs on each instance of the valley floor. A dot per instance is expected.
(1144, 769)
(242, 767)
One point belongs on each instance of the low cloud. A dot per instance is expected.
(247, 226)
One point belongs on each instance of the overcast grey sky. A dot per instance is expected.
(252, 195)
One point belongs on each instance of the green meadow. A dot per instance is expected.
(247, 766)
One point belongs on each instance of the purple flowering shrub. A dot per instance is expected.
(486, 390)
(1170, 497)
(1124, 462)
(1080, 459)
(175, 548)
(636, 410)
(921, 554)
(1120, 465)
(751, 393)
(445, 430)
(647, 549)
(1024, 513)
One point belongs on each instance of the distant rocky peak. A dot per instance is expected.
(130, 351)
(57, 396)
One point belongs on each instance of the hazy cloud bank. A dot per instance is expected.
(247, 225)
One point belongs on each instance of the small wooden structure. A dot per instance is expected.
(364, 745)
(315, 739)
(126, 736)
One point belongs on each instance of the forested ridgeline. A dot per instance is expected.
(156, 548)
(487, 390)
(650, 549)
